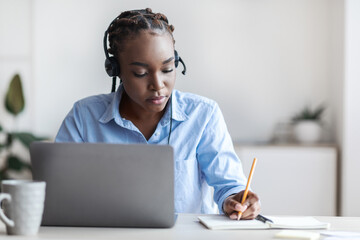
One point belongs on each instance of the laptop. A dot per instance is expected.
(105, 185)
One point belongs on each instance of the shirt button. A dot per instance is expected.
(156, 134)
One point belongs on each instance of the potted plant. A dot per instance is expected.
(307, 125)
(11, 162)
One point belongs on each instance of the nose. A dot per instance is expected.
(157, 82)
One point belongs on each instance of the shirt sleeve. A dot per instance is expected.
(71, 128)
(218, 161)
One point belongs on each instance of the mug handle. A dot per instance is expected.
(3, 217)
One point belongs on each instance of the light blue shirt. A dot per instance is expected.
(203, 149)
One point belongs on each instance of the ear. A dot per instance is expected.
(112, 67)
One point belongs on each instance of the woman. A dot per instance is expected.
(147, 109)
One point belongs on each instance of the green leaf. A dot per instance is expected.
(14, 100)
(9, 140)
(15, 163)
(3, 174)
(318, 112)
(308, 114)
(1, 131)
(26, 138)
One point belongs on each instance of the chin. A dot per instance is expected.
(156, 108)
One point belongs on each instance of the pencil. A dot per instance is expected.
(247, 186)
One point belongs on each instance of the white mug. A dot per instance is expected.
(23, 206)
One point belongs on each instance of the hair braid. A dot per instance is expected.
(130, 23)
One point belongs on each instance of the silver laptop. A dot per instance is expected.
(105, 185)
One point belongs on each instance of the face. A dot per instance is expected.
(147, 69)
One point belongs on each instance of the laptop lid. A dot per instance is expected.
(105, 185)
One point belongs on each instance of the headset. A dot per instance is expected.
(112, 68)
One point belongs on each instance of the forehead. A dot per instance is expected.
(148, 43)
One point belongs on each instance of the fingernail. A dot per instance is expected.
(238, 207)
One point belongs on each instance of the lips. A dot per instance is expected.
(156, 99)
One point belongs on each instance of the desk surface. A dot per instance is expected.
(187, 227)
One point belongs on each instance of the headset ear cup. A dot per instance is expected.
(176, 58)
(112, 67)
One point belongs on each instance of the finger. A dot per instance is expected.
(252, 211)
(253, 206)
(252, 197)
(234, 216)
(233, 205)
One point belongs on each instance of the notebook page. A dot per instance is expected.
(297, 223)
(224, 222)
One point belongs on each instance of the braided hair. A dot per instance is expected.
(130, 23)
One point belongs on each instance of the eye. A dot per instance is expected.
(139, 75)
(167, 70)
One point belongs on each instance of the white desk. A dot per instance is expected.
(187, 227)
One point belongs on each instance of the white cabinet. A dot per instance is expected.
(293, 180)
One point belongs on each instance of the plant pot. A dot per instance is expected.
(307, 131)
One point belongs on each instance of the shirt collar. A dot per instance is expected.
(178, 112)
(112, 110)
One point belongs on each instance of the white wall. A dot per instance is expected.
(351, 127)
(260, 60)
(15, 57)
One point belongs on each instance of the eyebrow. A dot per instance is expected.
(169, 60)
(146, 65)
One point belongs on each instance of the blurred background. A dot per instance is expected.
(263, 61)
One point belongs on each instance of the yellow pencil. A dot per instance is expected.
(247, 186)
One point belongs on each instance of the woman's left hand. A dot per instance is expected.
(250, 209)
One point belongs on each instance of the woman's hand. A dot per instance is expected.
(250, 209)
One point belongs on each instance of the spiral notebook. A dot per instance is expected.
(219, 222)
